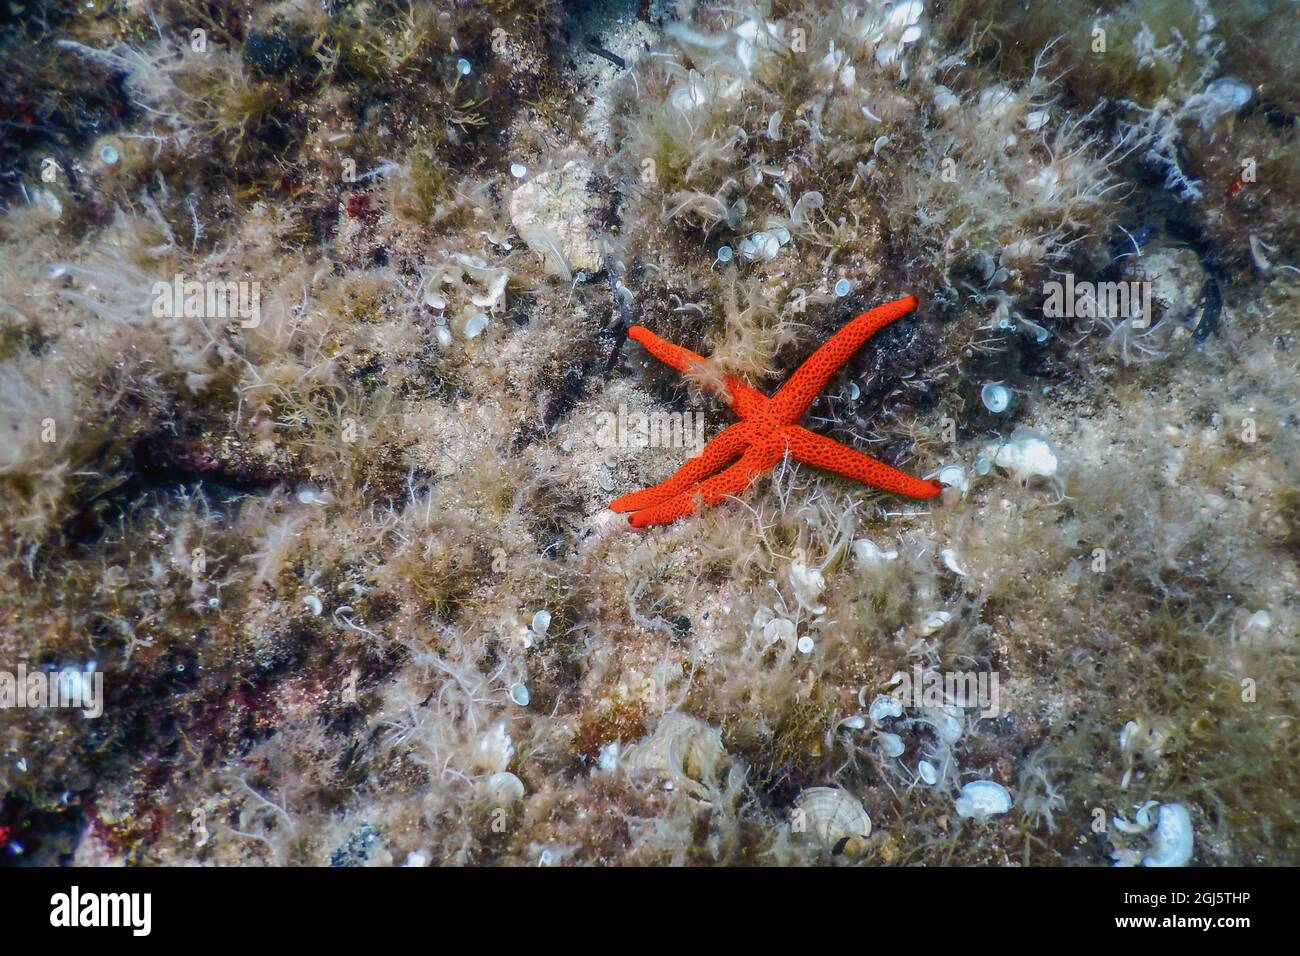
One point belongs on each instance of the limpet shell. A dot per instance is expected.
(835, 818)
(983, 798)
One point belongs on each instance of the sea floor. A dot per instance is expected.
(316, 390)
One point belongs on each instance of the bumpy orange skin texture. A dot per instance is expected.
(768, 429)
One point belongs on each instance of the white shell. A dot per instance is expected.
(932, 622)
(809, 202)
(807, 582)
(541, 622)
(944, 99)
(313, 603)
(778, 630)
(1174, 841)
(983, 798)
(925, 770)
(905, 13)
(954, 476)
(868, 553)
(832, 815)
(503, 788)
(946, 721)
(891, 745)
(952, 562)
(609, 756)
(884, 707)
(1026, 454)
(761, 245)
(495, 750)
(1142, 821)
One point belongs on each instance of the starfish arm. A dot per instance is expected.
(822, 452)
(732, 481)
(725, 446)
(743, 399)
(811, 377)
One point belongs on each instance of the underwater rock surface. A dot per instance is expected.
(315, 389)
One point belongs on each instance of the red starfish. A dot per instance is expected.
(767, 429)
